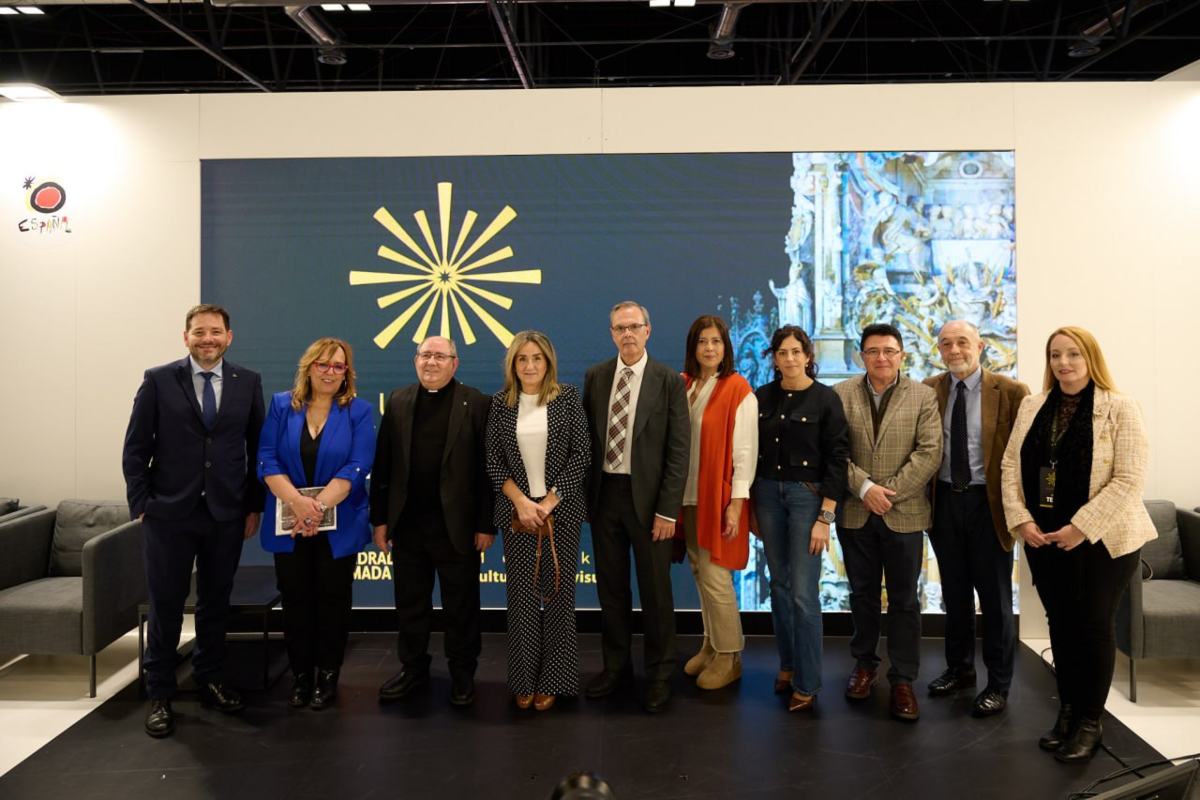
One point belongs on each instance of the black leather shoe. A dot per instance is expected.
(1053, 738)
(160, 722)
(658, 695)
(302, 690)
(1082, 744)
(951, 681)
(462, 690)
(605, 683)
(326, 691)
(989, 702)
(222, 698)
(402, 684)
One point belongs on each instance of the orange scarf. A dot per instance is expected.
(715, 479)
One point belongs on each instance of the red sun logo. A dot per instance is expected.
(48, 197)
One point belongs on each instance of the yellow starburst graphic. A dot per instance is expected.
(445, 276)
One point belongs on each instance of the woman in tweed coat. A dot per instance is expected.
(1072, 481)
(537, 456)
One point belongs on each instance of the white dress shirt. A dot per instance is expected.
(635, 387)
(745, 440)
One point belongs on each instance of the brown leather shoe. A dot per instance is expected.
(524, 701)
(860, 683)
(801, 702)
(904, 702)
(783, 682)
(543, 702)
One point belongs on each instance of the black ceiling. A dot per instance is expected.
(196, 47)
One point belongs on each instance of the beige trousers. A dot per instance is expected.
(718, 603)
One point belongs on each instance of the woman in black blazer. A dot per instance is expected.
(538, 455)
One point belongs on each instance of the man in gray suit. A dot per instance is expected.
(638, 418)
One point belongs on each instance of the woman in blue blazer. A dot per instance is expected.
(317, 435)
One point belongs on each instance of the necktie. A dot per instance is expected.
(614, 453)
(960, 463)
(208, 409)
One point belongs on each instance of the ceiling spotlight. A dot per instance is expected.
(26, 91)
(32, 10)
(8, 11)
(659, 3)
(684, 3)
(332, 7)
(358, 6)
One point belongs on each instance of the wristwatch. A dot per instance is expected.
(826, 516)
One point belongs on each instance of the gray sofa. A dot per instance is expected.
(11, 508)
(1159, 617)
(71, 579)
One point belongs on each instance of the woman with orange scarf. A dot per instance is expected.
(715, 521)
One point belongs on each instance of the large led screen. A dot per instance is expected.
(384, 251)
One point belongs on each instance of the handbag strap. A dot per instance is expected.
(537, 559)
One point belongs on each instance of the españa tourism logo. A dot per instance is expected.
(445, 274)
(45, 199)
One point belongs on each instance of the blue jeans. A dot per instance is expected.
(786, 511)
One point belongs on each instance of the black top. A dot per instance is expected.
(431, 420)
(803, 436)
(308, 453)
(1060, 437)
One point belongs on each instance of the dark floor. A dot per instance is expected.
(734, 743)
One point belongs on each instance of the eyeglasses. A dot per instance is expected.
(440, 358)
(886, 352)
(328, 366)
(623, 329)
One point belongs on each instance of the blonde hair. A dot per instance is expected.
(321, 350)
(512, 384)
(1096, 365)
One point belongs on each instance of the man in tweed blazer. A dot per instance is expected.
(895, 449)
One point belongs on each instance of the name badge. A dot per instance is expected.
(1046, 481)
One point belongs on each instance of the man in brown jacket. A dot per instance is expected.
(972, 543)
(895, 450)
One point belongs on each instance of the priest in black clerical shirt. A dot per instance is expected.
(431, 506)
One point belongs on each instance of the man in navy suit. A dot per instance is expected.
(192, 438)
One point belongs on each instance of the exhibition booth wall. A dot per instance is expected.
(1106, 209)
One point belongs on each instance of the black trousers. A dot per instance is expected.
(1080, 590)
(171, 548)
(616, 531)
(417, 556)
(318, 593)
(971, 560)
(872, 554)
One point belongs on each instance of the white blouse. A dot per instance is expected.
(532, 429)
(745, 440)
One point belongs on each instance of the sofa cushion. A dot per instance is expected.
(42, 617)
(1164, 554)
(75, 522)
(1172, 618)
(8, 505)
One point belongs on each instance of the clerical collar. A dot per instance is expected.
(449, 385)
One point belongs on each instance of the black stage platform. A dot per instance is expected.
(736, 743)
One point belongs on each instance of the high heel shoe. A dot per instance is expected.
(1053, 738)
(783, 681)
(1083, 742)
(523, 701)
(302, 690)
(543, 702)
(326, 691)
